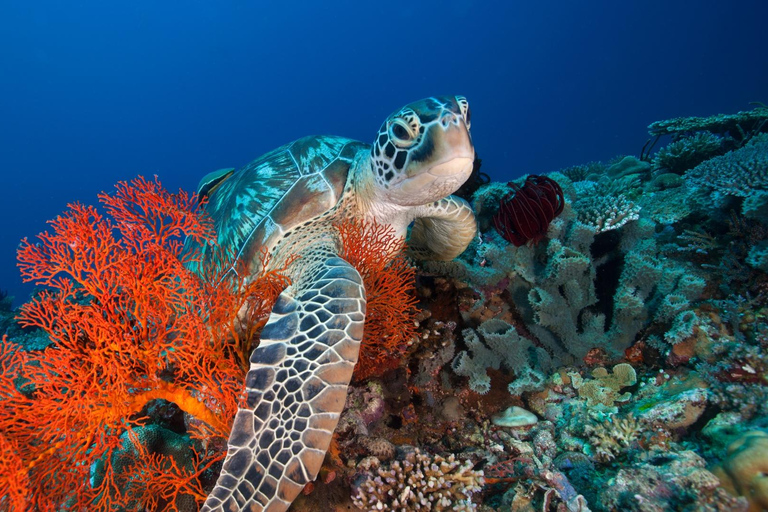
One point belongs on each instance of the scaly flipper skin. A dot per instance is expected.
(296, 386)
(442, 230)
(287, 202)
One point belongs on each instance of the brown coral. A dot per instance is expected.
(614, 436)
(607, 212)
(420, 482)
(606, 387)
(744, 472)
(380, 448)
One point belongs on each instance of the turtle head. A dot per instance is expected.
(424, 151)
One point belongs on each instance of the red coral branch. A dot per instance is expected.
(376, 253)
(130, 324)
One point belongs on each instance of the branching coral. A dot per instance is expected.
(130, 324)
(688, 152)
(390, 295)
(420, 482)
(613, 436)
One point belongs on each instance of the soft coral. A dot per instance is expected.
(130, 323)
(390, 320)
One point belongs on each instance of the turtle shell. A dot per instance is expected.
(258, 204)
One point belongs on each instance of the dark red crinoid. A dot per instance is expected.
(525, 213)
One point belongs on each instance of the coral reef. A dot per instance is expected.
(654, 269)
(688, 152)
(419, 482)
(740, 124)
(120, 346)
(667, 481)
(390, 301)
(613, 358)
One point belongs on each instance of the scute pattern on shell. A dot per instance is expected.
(286, 187)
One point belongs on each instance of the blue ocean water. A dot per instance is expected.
(96, 92)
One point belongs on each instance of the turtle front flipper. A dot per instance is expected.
(296, 389)
(442, 230)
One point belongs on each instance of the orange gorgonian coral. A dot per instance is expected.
(389, 289)
(130, 323)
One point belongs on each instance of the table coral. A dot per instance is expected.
(605, 213)
(737, 124)
(740, 173)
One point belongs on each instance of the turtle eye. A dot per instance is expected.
(400, 133)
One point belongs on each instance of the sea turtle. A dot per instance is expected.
(288, 201)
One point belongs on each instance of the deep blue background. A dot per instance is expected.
(93, 92)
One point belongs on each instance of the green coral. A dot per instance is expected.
(496, 343)
(741, 123)
(740, 175)
(561, 304)
(688, 152)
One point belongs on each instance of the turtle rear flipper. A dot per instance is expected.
(296, 389)
(211, 182)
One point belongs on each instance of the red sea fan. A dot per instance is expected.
(390, 319)
(525, 212)
(130, 324)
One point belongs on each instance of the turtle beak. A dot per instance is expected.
(452, 166)
(453, 143)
